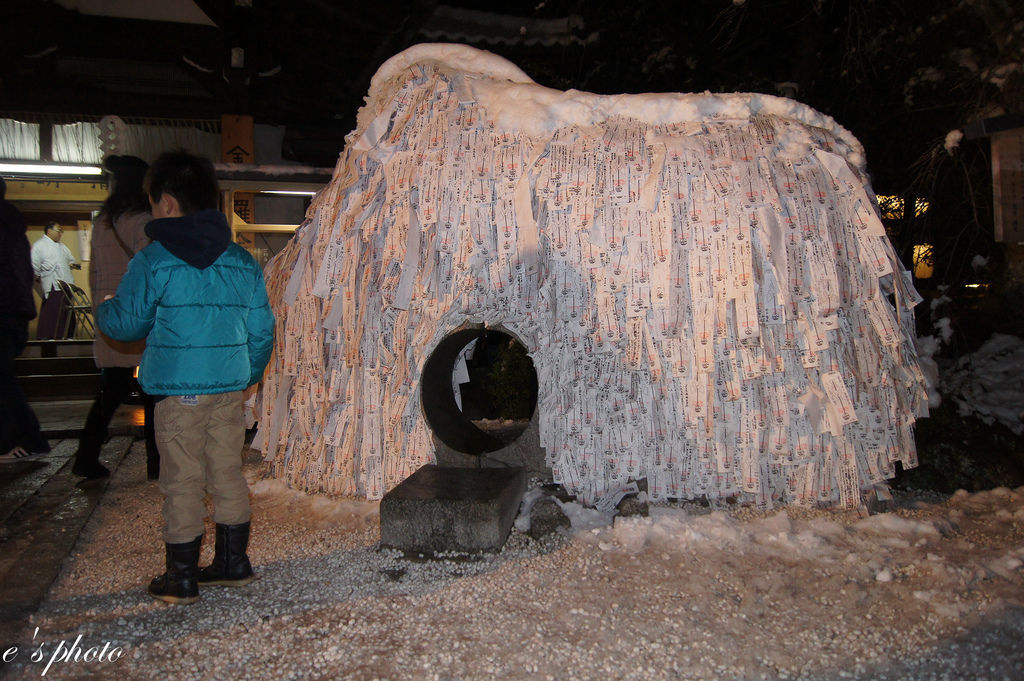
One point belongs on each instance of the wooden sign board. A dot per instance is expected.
(237, 139)
(1008, 185)
(238, 145)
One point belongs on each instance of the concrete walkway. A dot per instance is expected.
(44, 506)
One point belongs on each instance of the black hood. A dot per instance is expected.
(198, 239)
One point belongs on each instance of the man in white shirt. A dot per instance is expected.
(52, 263)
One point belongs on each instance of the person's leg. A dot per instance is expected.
(10, 391)
(180, 427)
(115, 387)
(181, 436)
(49, 316)
(230, 493)
(20, 427)
(68, 322)
(152, 451)
(225, 482)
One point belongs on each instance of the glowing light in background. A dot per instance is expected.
(892, 207)
(924, 261)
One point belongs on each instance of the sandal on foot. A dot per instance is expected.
(17, 454)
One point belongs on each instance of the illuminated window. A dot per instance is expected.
(924, 261)
(891, 206)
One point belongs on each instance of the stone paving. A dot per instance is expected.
(44, 506)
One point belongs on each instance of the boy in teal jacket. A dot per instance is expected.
(200, 302)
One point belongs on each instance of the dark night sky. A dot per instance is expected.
(900, 76)
(855, 60)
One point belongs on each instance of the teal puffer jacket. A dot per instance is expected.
(201, 304)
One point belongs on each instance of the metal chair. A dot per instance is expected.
(79, 312)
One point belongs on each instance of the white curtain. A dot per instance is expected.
(77, 143)
(19, 141)
(147, 141)
(88, 143)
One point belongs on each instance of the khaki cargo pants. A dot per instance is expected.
(200, 439)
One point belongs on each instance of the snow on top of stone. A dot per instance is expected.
(515, 102)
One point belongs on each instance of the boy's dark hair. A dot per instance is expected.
(189, 179)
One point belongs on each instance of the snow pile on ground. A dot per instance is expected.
(932, 590)
(886, 544)
(990, 382)
(347, 514)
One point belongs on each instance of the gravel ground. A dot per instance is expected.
(933, 590)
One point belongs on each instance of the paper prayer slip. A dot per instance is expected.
(700, 290)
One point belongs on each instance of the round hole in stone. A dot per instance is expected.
(496, 403)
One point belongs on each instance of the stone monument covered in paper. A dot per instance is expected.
(702, 281)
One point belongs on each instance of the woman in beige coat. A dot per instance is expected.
(118, 234)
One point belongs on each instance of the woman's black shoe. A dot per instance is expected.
(93, 470)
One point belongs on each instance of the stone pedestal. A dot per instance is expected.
(441, 509)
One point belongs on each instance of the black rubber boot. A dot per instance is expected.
(230, 566)
(178, 585)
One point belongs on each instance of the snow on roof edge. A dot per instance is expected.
(515, 102)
